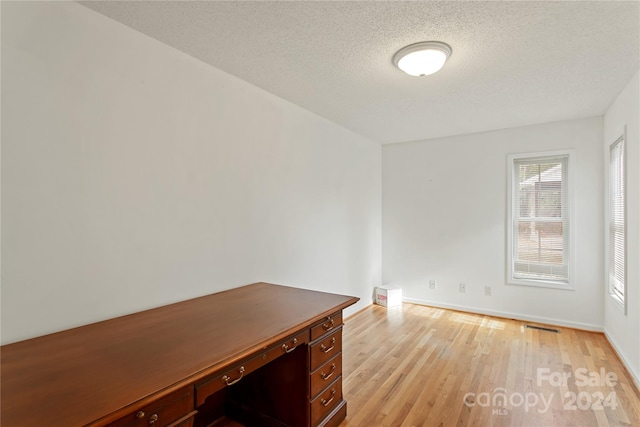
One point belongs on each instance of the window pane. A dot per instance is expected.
(540, 214)
(540, 242)
(540, 188)
(617, 220)
(549, 202)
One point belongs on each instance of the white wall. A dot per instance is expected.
(134, 175)
(444, 218)
(624, 330)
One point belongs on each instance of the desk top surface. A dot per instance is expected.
(102, 371)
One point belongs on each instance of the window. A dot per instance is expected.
(617, 221)
(539, 237)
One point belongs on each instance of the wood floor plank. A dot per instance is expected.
(422, 366)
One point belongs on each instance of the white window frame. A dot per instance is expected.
(620, 300)
(569, 243)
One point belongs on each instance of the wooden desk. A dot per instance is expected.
(171, 365)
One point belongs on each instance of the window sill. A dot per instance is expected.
(542, 284)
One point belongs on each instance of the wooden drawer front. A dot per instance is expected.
(328, 372)
(216, 382)
(328, 324)
(322, 405)
(186, 421)
(162, 412)
(325, 348)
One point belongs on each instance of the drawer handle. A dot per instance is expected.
(227, 379)
(328, 349)
(152, 419)
(326, 402)
(286, 348)
(330, 374)
(329, 325)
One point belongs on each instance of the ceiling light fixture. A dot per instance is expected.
(423, 58)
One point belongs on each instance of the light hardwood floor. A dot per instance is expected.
(422, 366)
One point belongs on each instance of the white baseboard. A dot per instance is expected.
(634, 375)
(508, 315)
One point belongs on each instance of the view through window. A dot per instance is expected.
(540, 219)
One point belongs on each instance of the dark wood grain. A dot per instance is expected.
(325, 348)
(329, 324)
(97, 373)
(329, 399)
(325, 374)
(275, 395)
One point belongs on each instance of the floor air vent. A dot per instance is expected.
(541, 328)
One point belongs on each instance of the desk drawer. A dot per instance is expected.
(162, 412)
(328, 372)
(326, 401)
(328, 324)
(325, 348)
(230, 376)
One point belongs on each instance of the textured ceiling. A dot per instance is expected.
(513, 63)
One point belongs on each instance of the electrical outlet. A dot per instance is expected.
(432, 284)
(487, 291)
(463, 288)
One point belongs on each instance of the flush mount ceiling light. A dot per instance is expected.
(423, 58)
